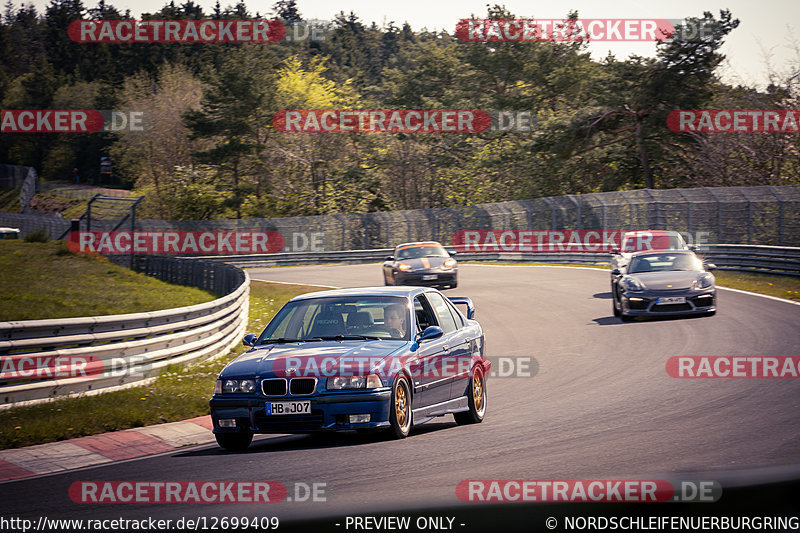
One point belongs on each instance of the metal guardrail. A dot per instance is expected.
(778, 260)
(46, 358)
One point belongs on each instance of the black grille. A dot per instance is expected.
(302, 385)
(703, 301)
(671, 308)
(274, 387)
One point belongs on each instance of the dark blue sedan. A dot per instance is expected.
(355, 359)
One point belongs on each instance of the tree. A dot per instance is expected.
(235, 116)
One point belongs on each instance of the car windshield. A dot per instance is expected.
(339, 318)
(665, 262)
(422, 250)
(655, 240)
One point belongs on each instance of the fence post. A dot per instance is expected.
(781, 201)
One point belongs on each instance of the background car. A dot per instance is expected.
(639, 241)
(425, 264)
(664, 283)
(333, 360)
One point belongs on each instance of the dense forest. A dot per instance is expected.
(210, 149)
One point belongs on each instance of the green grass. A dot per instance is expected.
(45, 280)
(177, 394)
(9, 201)
(782, 286)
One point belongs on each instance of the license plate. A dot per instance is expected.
(672, 300)
(428, 277)
(289, 408)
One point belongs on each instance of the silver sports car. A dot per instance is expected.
(664, 283)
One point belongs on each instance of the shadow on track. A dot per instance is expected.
(314, 441)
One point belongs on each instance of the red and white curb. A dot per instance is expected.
(104, 448)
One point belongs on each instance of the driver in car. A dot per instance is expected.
(394, 317)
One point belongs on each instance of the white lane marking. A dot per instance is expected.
(776, 298)
(290, 283)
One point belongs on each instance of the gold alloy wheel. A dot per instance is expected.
(401, 405)
(477, 391)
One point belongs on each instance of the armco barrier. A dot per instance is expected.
(778, 260)
(124, 349)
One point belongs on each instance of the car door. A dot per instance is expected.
(430, 387)
(452, 344)
(462, 347)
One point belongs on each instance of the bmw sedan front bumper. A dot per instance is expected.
(329, 412)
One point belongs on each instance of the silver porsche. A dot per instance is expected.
(664, 283)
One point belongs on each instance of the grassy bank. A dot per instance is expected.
(45, 280)
(175, 395)
(781, 286)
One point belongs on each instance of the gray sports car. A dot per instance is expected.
(664, 283)
(425, 264)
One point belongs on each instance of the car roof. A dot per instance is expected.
(420, 243)
(651, 231)
(670, 252)
(401, 291)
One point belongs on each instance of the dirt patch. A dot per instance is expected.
(45, 202)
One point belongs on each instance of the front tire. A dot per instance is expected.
(400, 409)
(476, 400)
(234, 442)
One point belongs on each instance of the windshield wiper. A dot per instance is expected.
(282, 340)
(351, 338)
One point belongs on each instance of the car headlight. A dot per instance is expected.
(706, 281)
(631, 284)
(450, 263)
(354, 382)
(234, 385)
(404, 267)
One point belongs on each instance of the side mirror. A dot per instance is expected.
(614, 250)
(431, 332)
(389, 258)
(452, 253)
(616, 272)
(711, 266)
(249, 340)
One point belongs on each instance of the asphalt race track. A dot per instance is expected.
(600, 406)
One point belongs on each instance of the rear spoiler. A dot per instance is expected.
(466, 301)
